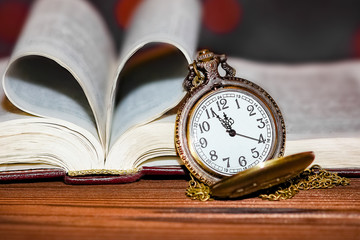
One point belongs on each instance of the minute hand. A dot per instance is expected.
(241, 135)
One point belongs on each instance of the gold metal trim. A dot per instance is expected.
(102, 172)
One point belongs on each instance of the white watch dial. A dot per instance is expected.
(230, 130)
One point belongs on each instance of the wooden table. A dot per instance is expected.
(158, 209)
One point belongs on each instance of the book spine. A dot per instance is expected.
(31, 175)
(350, 173)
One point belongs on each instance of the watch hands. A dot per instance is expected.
(227, 122)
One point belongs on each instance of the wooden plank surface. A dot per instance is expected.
(158, 209)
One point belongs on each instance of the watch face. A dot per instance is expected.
(230, 130)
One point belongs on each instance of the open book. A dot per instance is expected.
(86, 108)
(76, 107)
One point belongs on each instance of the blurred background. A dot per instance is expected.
(262, 30)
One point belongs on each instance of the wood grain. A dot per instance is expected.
(159, 209)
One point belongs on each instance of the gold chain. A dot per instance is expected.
(313, 178)
(198, 191)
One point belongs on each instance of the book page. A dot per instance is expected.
(147, 90)
(61, 98)
(30, 142)
(72, 34)
(317, 100)
(174, 22)
(145, 143)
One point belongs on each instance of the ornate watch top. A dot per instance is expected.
(205, 69)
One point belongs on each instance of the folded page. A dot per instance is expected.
(73, 35)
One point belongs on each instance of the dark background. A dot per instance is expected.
(289, 31)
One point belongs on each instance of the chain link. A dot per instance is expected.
(199, 78)
(198, 191)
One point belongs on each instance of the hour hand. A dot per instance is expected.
(226, 122)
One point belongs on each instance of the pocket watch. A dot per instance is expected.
(226, 124)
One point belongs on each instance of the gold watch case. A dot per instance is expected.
(196, 95)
